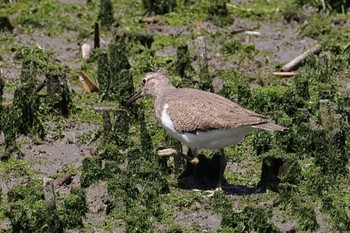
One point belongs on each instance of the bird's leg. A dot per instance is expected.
(223, 163)
(195, 159)
(192, 152)
(173, 152)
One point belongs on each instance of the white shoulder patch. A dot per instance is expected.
(165, 119)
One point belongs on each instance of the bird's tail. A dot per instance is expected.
(269, 126)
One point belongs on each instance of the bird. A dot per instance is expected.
(200, 119)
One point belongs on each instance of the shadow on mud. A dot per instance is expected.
(191, 183)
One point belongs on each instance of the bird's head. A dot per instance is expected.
(153, 84)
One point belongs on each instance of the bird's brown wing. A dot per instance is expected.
(205, 112)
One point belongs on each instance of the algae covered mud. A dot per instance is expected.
(74, 159)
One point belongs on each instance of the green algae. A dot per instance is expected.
(105, 15)
(250, 219)
(28, 211)
(158, 7)
(315, 143)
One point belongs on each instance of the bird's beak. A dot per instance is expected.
(135, 97)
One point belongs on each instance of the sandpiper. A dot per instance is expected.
(199, 119)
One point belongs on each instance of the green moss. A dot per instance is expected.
(219, 13)
(91, 172)
(221, 203)
(28, 210)
(120, 82)
(306, 219)
(110, 152)
(74, 207)
(183, 63)
(33, 16)
(250, 219)
(337, 211)
(257, 9)
(159, 7)
(102, 72)
(280, 171)
(266, 99)
(59, 101)
(106, 14)
(327, 5)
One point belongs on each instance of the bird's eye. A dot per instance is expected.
(144, 81)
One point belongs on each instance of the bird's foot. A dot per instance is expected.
(167, 152)
(211, 193)
(172, 152)
(194, 161)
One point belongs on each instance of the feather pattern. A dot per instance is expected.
(206, 111)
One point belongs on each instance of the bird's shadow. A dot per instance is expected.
(205, 176)
(191, 183)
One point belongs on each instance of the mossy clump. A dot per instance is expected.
(116, 132)
(280, 171)
(137, 187)
(59, 99)
(306, 219)
(74, 208)
(9, 119)
(134, 38)
(218, 12)
(5, 24)
(92, 171)
(105, 15)
(266, 99)
(182, 65)
(119, 83)
(159, 7)
(136, 191)
(235, 88)
(2, 84)
(110, 152)
(103, 165)
(234, 47)
(26, 103)
(331, 141)
(25, 115)
(146, 140)
(248, 220)
(337, 213)
(102, 72)
(28, 211)
(326, 5)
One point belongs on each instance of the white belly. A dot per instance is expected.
(212, 139)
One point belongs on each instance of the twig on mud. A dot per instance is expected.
(252, 33)
(150, 20)
(293, 64)
(284, 74)
(67, 179)
(38, 89)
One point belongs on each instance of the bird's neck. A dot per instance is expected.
(161, 97)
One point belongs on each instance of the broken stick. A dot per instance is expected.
(293, 64)
(37, 89)
(284, 74)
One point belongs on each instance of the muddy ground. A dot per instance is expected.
(279, 41)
